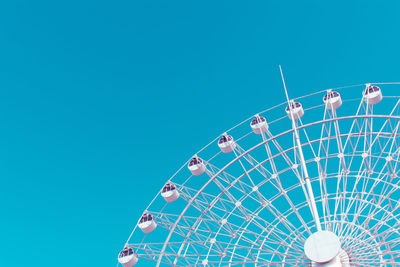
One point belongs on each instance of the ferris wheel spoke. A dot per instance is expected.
(382, 174)
(252, 161)
(309, 191)
(354, 132)
(393, 246)
(274, 234)
(390, 157)
(388, 216)
(207, 204)
(284, 154)
(232, 229)
(266, 175)
(278, 235)
(224, 246)
(254, 186)
(261, 197)
(274, 211)
(338, 135)
(201, 235)
(230, 256)
(384, 238)
(187, 224)
(353, 124)
(357, 216)
(393, 144)
(354, 230)
(366, 252)
(342, 169)
(323, 152)
(270, 234)
(279, 217)
(275, 177)
(382, 197)
(360, 205)
(361, 170)
(286, 254)
(251, 250)
(238, 182)
(321, 171)
(191, 252)
(228, 185)
(364, 194)
(292, 167)
(377, 140)
(343, 175)
(361, 247)
(368, 151)
(373, 231)
(151, 251)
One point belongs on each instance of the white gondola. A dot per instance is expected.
(295, 111)
(197, 166)
(372, 94)
(170, 193)
(127, 257)
(147, 223)
(332, 100)
(226, 143)
(259, 125)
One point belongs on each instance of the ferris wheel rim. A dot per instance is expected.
(256, 146)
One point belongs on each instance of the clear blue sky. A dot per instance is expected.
(101, 101)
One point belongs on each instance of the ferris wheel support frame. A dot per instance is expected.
(253, 148)
(363, 132)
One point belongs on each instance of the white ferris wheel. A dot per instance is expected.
(310, 182)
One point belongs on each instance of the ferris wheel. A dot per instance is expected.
(313, 181)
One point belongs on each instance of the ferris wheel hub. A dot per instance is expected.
(322, 247)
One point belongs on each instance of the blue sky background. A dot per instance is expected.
(101, 101)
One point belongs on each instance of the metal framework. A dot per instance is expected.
(334, 170)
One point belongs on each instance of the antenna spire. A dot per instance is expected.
(309, 191)
(284, 84)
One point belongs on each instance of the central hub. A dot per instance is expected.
(322, 248)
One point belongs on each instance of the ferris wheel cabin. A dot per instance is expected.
(197, 166)
(295, 110)
(226, 143)
(127, 257)
(259, 125)
(372, 94)
(332, 100)
(147, 223)
(170, 193)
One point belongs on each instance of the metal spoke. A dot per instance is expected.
(263, 194)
